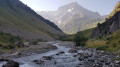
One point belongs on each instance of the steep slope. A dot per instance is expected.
(116, 9)
(72, 18)
(109, 26)
(19, 19)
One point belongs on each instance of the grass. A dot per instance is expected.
(7, 42)
(95, 43)
(24, 20)
(85, 33)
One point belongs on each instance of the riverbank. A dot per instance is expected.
(41, 47)
(97, 58)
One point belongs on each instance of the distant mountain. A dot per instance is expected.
(20, 20)
(111, 25)
(72, 18)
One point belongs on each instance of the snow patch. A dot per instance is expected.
(70, 10)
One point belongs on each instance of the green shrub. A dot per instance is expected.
(68, 38)
(80, 40)
(114, 45)
(11, 46)
(102, 47)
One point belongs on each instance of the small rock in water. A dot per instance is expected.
(38, 61)
(48, 57)
(62, 52)
(74, 55)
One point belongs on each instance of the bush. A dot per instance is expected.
(68, 38)
(102, 47)
(80, 40)
(11, 46)
(114, 44)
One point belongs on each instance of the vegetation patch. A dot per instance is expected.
(7, 41)
(80, 40)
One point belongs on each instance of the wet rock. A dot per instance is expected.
(11, 63)
(81, 58)
(38, 61)
(92, 60)
(85, 55)
(57, 54)
(74, 55)
(72, 51)
(62, 52)
(48, 57)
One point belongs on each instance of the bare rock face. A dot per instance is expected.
(111, 25)
(108, 27)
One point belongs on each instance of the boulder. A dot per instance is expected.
(72, 51)
(48, 57)
(85, 55)
(11, 63)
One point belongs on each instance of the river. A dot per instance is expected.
(63, 58)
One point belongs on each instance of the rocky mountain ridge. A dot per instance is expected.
(72, 18)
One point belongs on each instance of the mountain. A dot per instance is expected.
(110, 26)
(18, 19)
(72, 18)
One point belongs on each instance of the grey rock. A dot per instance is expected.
(72, 51)
(11, 63)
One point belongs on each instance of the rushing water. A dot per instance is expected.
(62, 60)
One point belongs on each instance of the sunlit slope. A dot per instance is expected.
(19, 19)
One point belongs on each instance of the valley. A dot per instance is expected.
(70, 36)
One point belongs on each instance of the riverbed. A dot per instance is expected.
(66, 56)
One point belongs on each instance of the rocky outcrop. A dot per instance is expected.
(108, 27)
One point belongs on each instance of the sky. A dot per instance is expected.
(104, 7)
